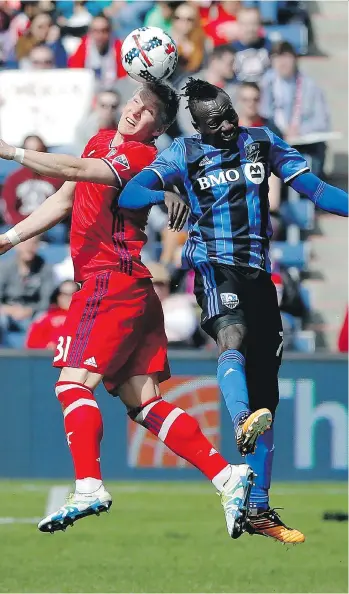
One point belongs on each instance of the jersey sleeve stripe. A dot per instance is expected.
(114, 171)
(288, 179)
(157, 173)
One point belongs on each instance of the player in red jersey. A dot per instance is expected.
(114, 330)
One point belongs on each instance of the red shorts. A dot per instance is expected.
(115, 327)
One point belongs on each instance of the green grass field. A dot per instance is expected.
(171, 537)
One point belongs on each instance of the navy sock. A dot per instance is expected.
(232, 382)
(261, 462)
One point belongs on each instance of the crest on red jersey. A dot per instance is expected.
(121, 160)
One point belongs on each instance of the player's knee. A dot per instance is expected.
(231, 336)
(139, 413)
(68, 393)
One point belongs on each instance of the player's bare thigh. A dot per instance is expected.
(80, 376)
(133, 393)
(139, 389)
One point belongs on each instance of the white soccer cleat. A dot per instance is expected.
(235, 498)
(78, 506)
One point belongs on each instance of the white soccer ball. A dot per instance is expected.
(149, 54)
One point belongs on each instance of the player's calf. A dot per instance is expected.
(84, 430)
(181, 434)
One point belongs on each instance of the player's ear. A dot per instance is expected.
(159, 131)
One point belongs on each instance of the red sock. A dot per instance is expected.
(83, 427)
(181, 433)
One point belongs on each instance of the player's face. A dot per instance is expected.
(140, 118)
(216, 120)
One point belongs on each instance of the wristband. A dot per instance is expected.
(12, 236)
(19, 155)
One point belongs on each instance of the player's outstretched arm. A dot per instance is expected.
(288, 164)
(143, 190)
(55, 208)
(325, 196)
(62, 166)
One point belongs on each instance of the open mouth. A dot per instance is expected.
(228, 135)
(131, 122)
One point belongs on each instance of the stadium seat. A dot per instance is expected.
(268, 10)
(298, 212)
(294, 33)
(7, 167)
(54, 254)
(15, 340)
(304, 341)
(291, 255)
(306, 297)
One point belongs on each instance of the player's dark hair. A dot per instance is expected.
(169, 99)
(197, 90)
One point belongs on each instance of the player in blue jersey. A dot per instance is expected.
(224, 173)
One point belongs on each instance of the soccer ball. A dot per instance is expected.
(149, 54)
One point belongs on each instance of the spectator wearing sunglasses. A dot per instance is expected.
(189, 37)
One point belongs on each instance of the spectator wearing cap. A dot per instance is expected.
(252, 48)
(219, 72)
(100, 52)
(44, 331)
(23, 191)
(297, 105)
(105, 116)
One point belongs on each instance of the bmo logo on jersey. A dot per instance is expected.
(217, 179)
(254, 172)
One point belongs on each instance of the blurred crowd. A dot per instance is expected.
(251, 49)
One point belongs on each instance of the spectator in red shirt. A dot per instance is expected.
(223, 29)
(45, 331)
(100, 52)
(23, 191)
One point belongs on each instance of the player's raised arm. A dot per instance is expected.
(148, 187)
(49, 213)
(66, 167)
(292, 168)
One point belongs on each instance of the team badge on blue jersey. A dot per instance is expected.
(253, 152)
(230, 300)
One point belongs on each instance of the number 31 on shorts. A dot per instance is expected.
(62, 349)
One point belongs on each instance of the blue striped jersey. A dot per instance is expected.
(227, 190)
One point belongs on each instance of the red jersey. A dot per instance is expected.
(104, 236)
(46, 330)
